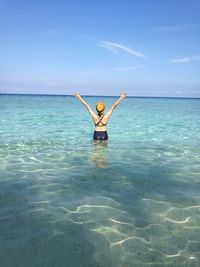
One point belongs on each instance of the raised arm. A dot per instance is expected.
(92, 113)
(109, 113)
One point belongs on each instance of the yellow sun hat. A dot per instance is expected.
(100, 107)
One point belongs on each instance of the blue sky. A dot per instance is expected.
(143, 47)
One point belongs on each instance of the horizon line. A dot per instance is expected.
(128, 96)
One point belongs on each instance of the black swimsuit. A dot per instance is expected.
(100, 135)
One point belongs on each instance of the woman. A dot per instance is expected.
(100, 119)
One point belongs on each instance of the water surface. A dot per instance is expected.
(132, 202)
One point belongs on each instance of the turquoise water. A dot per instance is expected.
(132, 202)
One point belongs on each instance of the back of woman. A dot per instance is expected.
(100, 119)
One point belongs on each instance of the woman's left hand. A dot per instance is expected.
(77, 95)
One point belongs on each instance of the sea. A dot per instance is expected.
(133, 201)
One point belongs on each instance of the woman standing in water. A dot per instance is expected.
(100, 119)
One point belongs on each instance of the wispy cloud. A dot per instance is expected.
(130, 68)
(185, 59)
(175, 28)
(115, 48)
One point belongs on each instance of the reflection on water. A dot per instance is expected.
(98, 155)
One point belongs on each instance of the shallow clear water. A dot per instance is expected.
(134, 201)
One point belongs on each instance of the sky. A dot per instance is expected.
(142, 47)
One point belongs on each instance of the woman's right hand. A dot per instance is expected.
(123, 95)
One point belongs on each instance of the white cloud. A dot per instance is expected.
(185, 59)
(180, 60)
(174, 28)
(115, 48)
